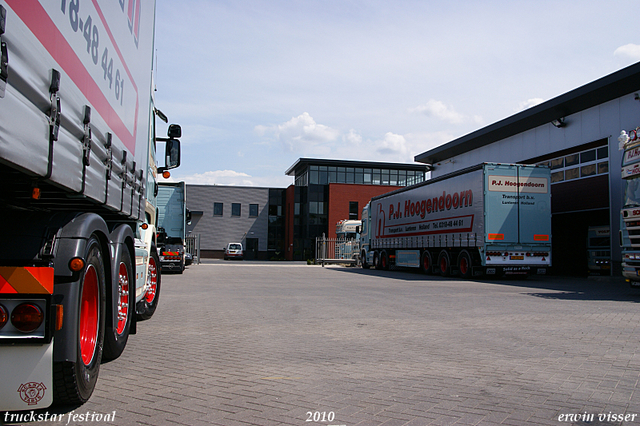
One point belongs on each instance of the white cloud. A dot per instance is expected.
(392, 145)
(300, 133)
(439, 110)
(352, 138)
(529, 103)
(631, 51)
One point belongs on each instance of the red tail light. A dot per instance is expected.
(27, 317)
(4, 316)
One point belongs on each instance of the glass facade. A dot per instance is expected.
(311, 208)
(276, 230)
(324, 175)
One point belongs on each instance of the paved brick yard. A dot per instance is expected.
(257, 343)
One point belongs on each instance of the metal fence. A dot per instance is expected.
(192, 245)
(337, 250)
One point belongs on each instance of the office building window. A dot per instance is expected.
(324, 175)
(353, 210)
(253, 210)
(235, 209)
(217, 209)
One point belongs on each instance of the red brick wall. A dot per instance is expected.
(341, 193)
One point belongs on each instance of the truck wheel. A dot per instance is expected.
(465, 265)
(444, 263)
(74, 382)
(425, 263)
(384, 261)
(116, 335)
(149, 302)
(376, 260)
(363, 260)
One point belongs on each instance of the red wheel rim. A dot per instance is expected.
(123, 298)
(152, 281)
(384, 261)
(89, 315)
(425, 262)
(464, 266)
(443, 264)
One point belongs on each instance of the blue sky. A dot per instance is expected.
(256, 85)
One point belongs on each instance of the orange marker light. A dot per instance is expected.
(59, 316)
(166, 174)
(35, 193)
(76, 264)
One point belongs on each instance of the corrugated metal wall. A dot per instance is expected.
(217, 231)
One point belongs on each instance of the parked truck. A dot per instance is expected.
(490, 219)
(347, 239)
(599, 250)
(630, 214)
(173, 217)
(78, 262)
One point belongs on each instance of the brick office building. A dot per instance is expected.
(277, 223)
(327, 191)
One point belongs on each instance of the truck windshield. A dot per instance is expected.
(632, 193)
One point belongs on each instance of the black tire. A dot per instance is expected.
(122, 308)
(444, 264)
(73, 382)
(147, 306)
(426, 263)
(384, 261)
(363, 260)
(465, 265)
(376, 260)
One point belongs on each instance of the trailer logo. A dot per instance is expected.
(32, 392)
(522, 184)
(427, 206)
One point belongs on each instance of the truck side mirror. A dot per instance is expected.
(172, 154)
(171, 148)
(175, 131)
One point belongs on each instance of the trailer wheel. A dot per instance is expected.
(384, 261)
(117, 334)
(376, 260)
(74, 381)
(426, 262)
(149, 303)
(363, 260)
(465, 265)
(444, 263)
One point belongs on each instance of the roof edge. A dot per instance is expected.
(607, 88)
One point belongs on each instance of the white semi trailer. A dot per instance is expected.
(78, 261)
(488, 219)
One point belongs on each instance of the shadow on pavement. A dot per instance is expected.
(557, 287)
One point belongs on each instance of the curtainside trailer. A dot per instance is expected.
(490, 219)
(78, 261)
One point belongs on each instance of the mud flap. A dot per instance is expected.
(27, 377)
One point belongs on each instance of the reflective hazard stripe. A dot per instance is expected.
(26, 280)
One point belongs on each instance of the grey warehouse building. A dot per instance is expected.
(576, 135)
(252, 216)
